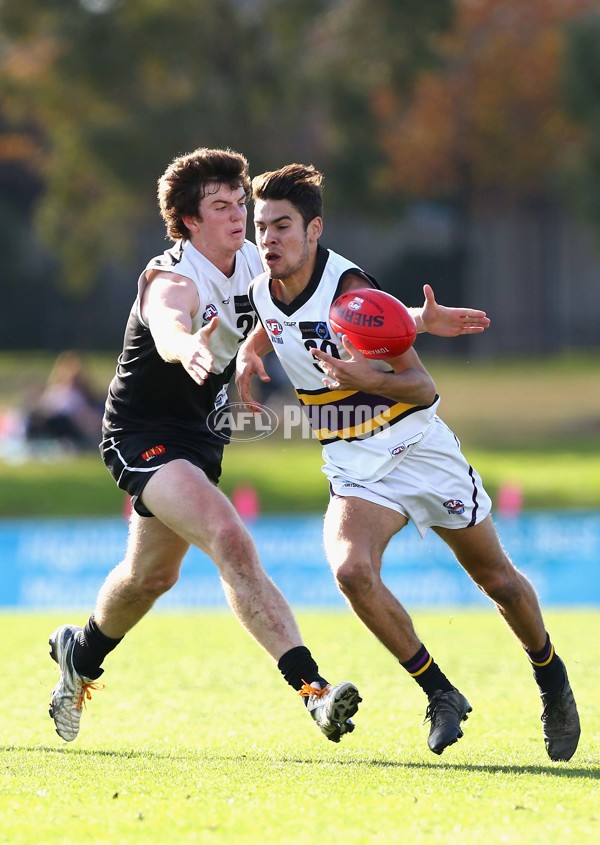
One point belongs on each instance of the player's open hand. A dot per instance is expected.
(450, 322)
(249, 364)
(355, 374)
(197, 359)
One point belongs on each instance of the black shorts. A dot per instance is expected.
(132, 459)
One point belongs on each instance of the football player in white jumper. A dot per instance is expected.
(387, 455)
(188, 320)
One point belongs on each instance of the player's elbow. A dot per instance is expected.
(425, 391)
(166, 352)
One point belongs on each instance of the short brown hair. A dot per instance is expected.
(187, 179)
(300, 184)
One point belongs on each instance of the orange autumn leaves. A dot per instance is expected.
(491, 117)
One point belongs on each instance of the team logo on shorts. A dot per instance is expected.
(210, 312)
(153, 452)
(454, 506)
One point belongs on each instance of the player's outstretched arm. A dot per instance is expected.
(447, 322)
(167, 305)
(249, 363)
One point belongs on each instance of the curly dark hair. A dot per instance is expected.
(191, 177)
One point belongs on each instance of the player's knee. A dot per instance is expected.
(355, 579)
(504, 586)
(152, 584)
(231, 543)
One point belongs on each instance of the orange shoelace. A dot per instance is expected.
(86, 692)
(307, 690)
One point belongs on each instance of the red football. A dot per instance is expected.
(377, 323)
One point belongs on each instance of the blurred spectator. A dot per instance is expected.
(68, 410)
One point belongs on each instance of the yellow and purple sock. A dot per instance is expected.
(548, 669)
(423, 668)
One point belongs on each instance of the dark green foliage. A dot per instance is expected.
(582, 98)
(117, 89)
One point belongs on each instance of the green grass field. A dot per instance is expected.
(197, 739)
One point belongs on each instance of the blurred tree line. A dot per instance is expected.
(460, 103)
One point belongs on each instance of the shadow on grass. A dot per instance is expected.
(559, 770)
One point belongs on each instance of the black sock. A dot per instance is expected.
(91, 647)
(423, 668)
(548, 669)
(298, 667)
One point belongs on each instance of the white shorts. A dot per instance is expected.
(433, 485)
